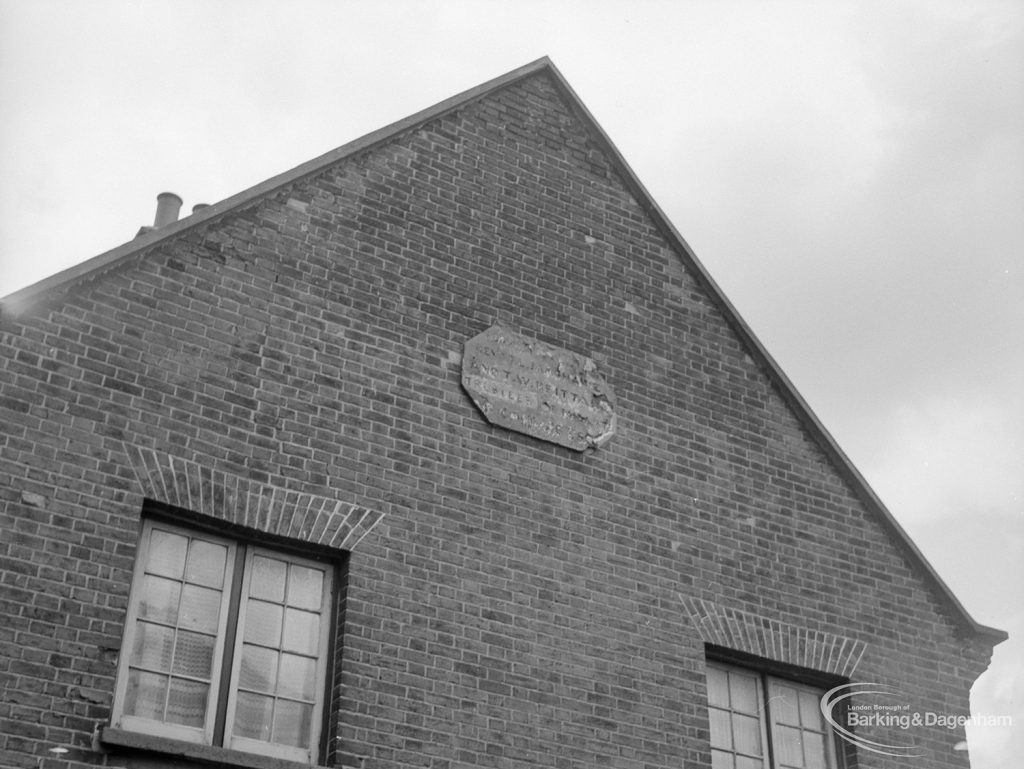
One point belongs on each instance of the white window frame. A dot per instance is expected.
(276, 750)
(147, 725)
(232, 614)
(766, 687)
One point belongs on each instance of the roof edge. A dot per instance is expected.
(786, 388)
(24, 299)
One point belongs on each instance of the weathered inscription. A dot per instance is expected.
(537, 389)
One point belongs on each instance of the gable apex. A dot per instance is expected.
(50, 289)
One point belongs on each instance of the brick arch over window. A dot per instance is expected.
(774, 640)
(268, 509)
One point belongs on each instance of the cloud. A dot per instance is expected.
(951, 457)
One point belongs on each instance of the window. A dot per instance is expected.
(225, 644)
(759, 721)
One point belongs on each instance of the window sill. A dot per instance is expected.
(124, 739)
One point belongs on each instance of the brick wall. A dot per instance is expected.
(515, 603)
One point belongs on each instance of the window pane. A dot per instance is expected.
(720, 760)
(159, 600)
(267, 579)
(743, 690)
(301, 632)
(745, 762)
(167, 554)
(193, 655)
(186, 702)
(787, 746)
(784, 704)
(206, 562)
(292, 722)
(145, 695)
(718, 687)
(814, 750)
(258, 669)
(746, 732)
(200, 608)
(253, 714)
(298, 677)
(305, 587)
(152, 647)
(721, 729)
(810, 710)
(263, 623)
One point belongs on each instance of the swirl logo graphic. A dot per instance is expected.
(879, 715)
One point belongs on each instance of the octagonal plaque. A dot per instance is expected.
(538, 389)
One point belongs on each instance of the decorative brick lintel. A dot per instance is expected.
(269, 509)
(774, 640)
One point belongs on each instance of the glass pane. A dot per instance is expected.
(253, 714)
(167, 554)
(193, 655)
(159, 601)
(267, 580)
(743, 692)
(745, 762)
(305, 587)
(718, 687)
(145, 695)
(787, 746)
(746, 733)
(814, 751)
(263, 623)
(298, 678)
(258, 669)
(186, 702)
(721, 729)
(205, 564)
(301, 632)
(200, 608)
(153, 647)
(784, 704)
(291, 723)
(810, 710)
(720, 760)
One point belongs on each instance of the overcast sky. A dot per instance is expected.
(851, 173)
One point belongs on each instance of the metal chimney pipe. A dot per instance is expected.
(167, 207)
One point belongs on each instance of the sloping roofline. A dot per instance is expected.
(25, 299)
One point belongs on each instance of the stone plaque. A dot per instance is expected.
(537, 389)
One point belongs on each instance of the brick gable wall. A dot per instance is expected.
(517, 603)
